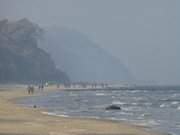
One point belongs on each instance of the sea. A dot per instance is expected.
(155, 110)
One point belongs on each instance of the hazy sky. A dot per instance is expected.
(144, 34)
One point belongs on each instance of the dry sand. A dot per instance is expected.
(16, 120)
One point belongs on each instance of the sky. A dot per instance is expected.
(143, 34)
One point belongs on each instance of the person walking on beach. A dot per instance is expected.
(30, 89)
(41, 87)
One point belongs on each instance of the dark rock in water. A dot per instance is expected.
(113, 107)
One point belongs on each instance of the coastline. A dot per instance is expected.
(18, 120)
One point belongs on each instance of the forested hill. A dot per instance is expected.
(20, 58)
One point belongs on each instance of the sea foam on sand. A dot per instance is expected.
(54, 114)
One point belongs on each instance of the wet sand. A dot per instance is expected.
(18, 120)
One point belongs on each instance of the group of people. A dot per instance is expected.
(41, 87)
(31, 88)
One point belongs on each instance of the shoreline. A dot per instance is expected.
(18, 120)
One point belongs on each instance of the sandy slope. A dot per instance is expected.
(16, 120)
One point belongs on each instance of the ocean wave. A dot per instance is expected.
(132, 108)
(170, 100)
(48, 113)
(118, 103)
(62, 115)
(134, 103)
(164, 99)
(174, 102)
(163, 105)
(113, 118)
(135, 91)
(54, 114)
(100, 94)
(148, 123)
(93, 117)
(125, 113)
(175, 95)
(178, 124)
(113, 97)
(138, 98)
(145, 114)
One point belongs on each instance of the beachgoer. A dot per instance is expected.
(39, 86)
(29, 89)
(42, 87)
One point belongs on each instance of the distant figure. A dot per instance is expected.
(46, 84)
(41, 87)
(34, 106)
(30, 89)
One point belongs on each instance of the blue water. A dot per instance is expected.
(157, 110)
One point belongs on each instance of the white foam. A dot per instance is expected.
(163, 105)
(174, 95)
(100, 94)
(125, 113)
(54, 114)
(113, 118)
(93, 117)
(145, 114)
(118, 103)
(131, 108)
(134, 103)
(123, 119)
(178, 108)
(164, 99)
(175, 103)
(138, 98)
(49, 113)
(178, 124)
(135, 91)
(148, 123)
(113, 97)
(62, 115)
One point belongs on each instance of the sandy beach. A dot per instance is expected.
(17, 120)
